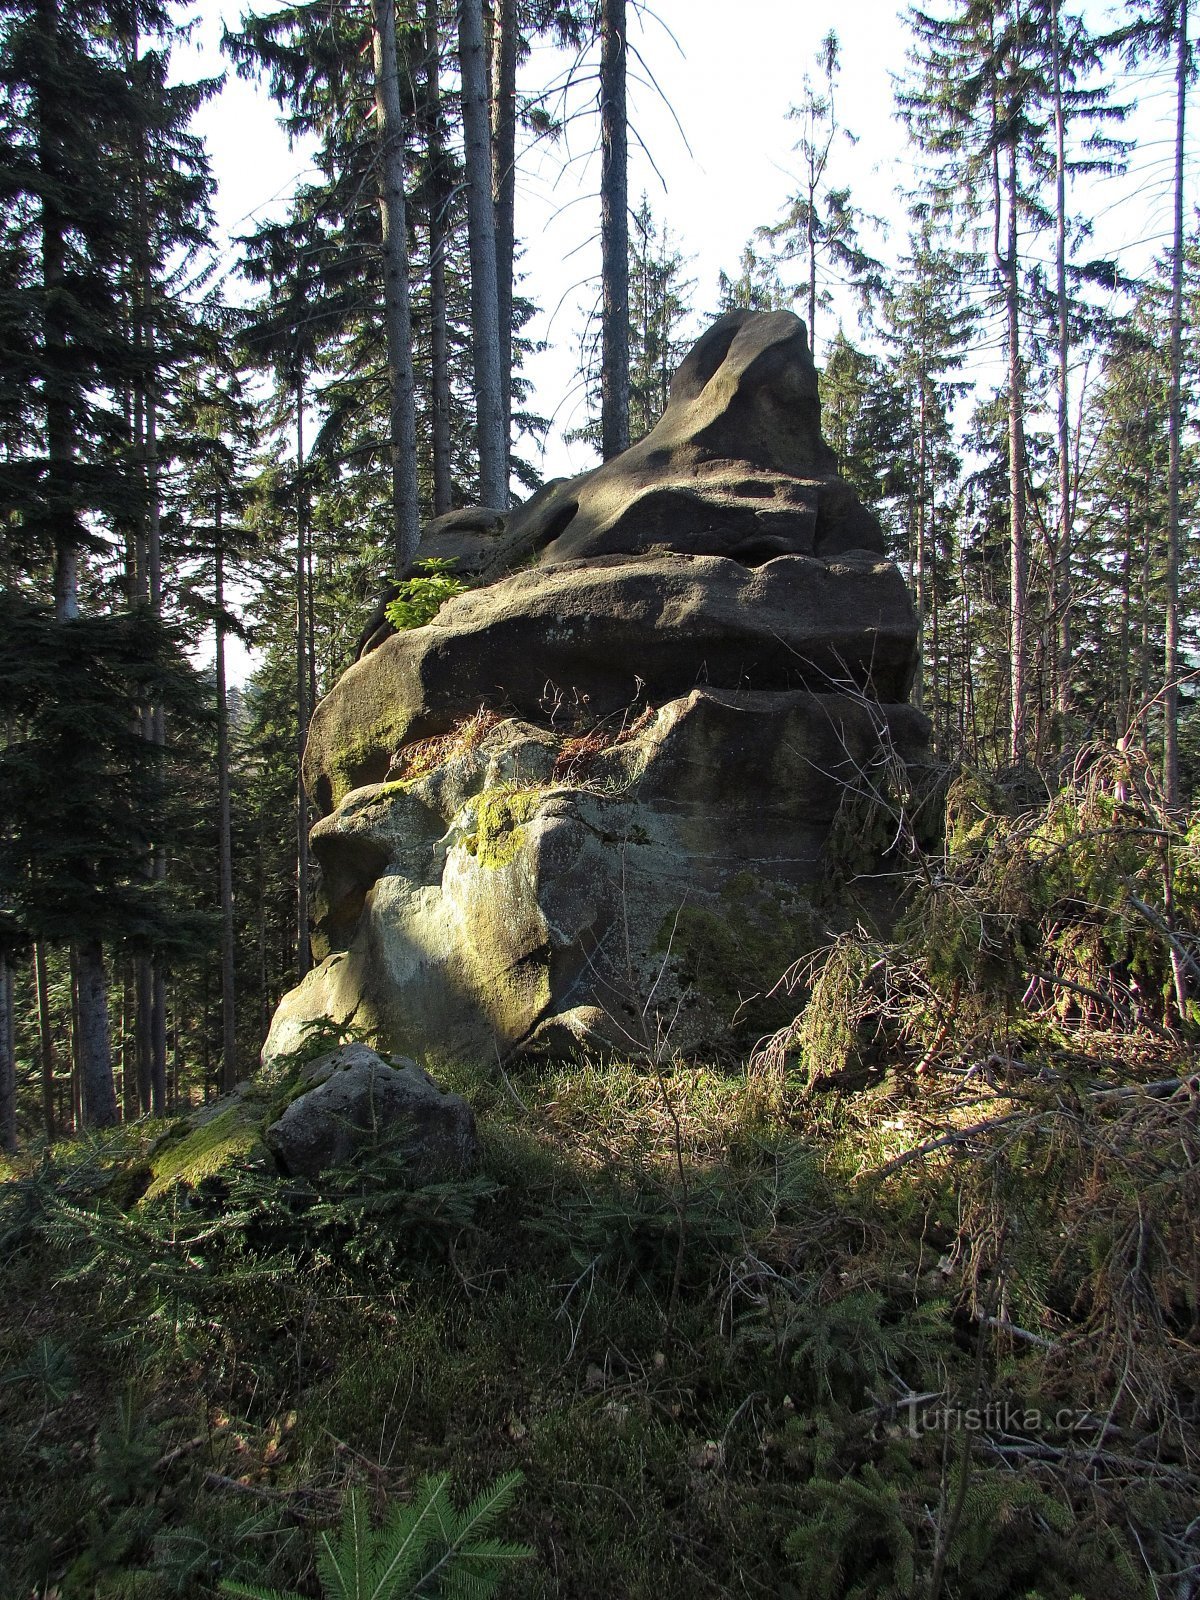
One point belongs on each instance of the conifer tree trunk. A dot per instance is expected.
(481, 228)
(45, 1039)
(94, 1065)
(158, 730)
(1064, 576)
(8, 1059)
(1007, 262)
(142, 1030)
(98, 1096)
(58, 388)
(614, 232)
(438, 201)
(303, 709)
(224, 824)
(504, 189)
(1174, 424)
(922, 599)
(389, 119)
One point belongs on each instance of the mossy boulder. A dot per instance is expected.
(212, 1138)
(353, 1100)
(489, 905)
(317, 1108)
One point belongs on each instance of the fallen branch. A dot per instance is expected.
(959, 1136)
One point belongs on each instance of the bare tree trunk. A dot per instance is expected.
(76, 1085)
(389, 121)
(1174, 424)
(98, 1094)
(303, 710)
(922, 600)
(58, 390)
(142, 1029)
(505, 45)
(8, 1059)
(224, 825)
(1064, 577)
(1124, 677)
(481, 228)
(45, 1039)
(812, 269)
(614, 232)
(1016, 479)
(438, 202)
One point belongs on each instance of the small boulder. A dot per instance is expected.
(359, 1099)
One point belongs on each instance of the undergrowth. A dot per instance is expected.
(908, 1307)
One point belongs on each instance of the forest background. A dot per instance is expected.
(222, 423)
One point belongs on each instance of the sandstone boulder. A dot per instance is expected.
(613, 792)
(587, 640)
(466, 538)
(358, 1099)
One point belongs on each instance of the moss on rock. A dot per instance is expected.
(735, 952)
(500, 819)
(204, 1150)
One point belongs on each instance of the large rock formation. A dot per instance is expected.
(594, 797)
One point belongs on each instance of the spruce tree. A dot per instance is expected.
(978, 110)
(103, 182)
(820, 227)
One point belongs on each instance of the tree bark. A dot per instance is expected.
(1064, 574)
(59, 389)
(303, 710)
(45, 1040)
(8, 1060)
(389, 122)
(481, 228)
(158, 728)
(922, 599)
(142, 1029)
(224, 825)
(438, 201)
(1174, 424)
(505, 45)
(1016, 477)
(98, 1095)
(614, 232)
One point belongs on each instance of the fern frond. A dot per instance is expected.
(477, 1518)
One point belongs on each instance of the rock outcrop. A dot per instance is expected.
(594, 798)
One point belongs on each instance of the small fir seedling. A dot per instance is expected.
(425, 1549)
(421, 598)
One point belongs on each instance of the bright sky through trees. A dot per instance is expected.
(711, 145)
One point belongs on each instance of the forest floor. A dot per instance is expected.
(904, 1306)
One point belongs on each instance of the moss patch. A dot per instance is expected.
(199, 1153)
(735, 955)
(500, 818)
(362, 759)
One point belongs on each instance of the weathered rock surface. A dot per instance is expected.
(604, 795)
(735, 466)
(588, 639)
(358, 1099)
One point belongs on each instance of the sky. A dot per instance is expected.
(711, 147)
